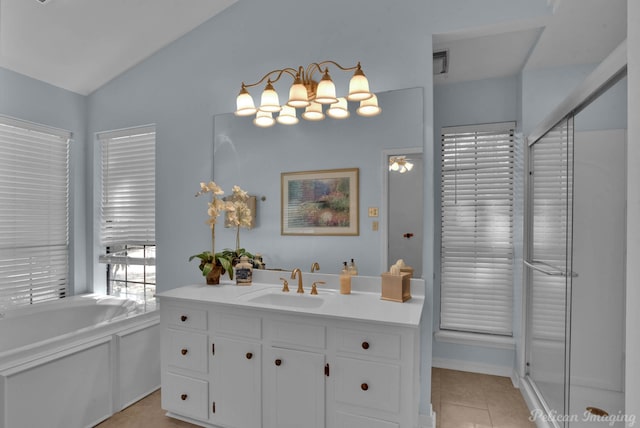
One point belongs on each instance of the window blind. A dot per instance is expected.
(128, 187)
(477, 228)
(551, 180)
(34, 194)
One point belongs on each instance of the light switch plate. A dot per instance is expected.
(373, 212)
(374, 226)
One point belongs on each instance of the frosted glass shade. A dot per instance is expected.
(369, 107)
(298, 96)
(244, 104)
(359, 87)
(339, 110)
(264, 119)
(287, 116)
(269, 101)
(326, 92)
(313, 112)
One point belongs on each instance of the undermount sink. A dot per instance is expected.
(275, 297)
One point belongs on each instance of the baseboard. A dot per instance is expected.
(469, 366)
(427, 421)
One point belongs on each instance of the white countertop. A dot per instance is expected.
(363, 304)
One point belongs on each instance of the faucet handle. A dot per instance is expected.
(314, 289)
(285, 285)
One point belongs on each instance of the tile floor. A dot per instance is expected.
(460, 400)
(473, 400)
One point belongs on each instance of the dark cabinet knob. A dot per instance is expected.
(183, 318)
(183, 397)
(364, 386)
(278, 362)
(184, 351)
(365, 345)
(249, 355)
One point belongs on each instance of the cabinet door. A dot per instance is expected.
(294, 389)
(235, 383)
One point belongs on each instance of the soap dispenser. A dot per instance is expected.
(353, 269)
(345, 280)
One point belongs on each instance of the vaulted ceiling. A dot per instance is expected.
(80, 45)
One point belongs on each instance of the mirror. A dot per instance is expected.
(254, 159)
(405, 201)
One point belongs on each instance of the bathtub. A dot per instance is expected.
(76, 361)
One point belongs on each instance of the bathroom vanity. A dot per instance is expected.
(248, 357)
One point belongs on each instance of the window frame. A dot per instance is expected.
(34, 249)
(464, 268)
(127, 217)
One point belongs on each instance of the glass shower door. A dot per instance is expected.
(548, 265)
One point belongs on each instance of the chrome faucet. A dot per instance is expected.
(314, 267)
(298, 272)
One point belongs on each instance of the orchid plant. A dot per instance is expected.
(238, 213)
(210, 259)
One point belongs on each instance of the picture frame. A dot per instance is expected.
(322, 202)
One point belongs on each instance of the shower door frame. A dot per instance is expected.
(607, 73)
(566, 272)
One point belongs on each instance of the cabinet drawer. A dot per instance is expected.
(368, 343)
(297, 334)
(185, 396)
(187, 350)
(368, 384)
(347, 420)
(179, 316)
(236, 325)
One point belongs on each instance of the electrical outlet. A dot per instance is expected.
(374, 226)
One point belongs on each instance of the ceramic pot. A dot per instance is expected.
(213, 277)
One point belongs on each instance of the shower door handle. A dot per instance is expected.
(548, 269)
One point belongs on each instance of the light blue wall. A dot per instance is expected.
(28, 99)
(544, 89)
(184, 85)
(253, 158)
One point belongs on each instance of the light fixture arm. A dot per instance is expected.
(289, 71)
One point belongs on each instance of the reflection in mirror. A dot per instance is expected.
(405, 184)
(254, 159)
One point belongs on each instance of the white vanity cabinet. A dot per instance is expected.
(234, 366)
(184, 374)
(375, 376)
(295, 372)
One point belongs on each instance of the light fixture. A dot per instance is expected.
(287, 116)
(264, 119)
(339, 110)
(305, 92)
(313, 112)
(369, 107)
(400, 164)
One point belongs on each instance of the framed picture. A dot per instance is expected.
(320, 202)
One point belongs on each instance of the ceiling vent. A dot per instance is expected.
(440, 62)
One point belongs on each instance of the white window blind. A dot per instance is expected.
(477, 228)
(34, 193)
(551, 167)
(128, 186)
